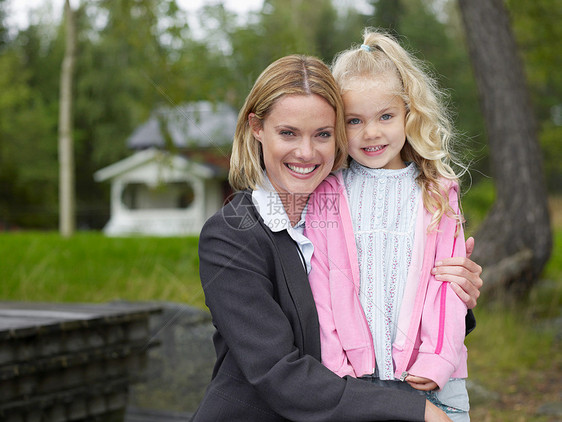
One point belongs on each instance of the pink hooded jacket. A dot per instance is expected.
(431, 325)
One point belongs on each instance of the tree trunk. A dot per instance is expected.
(66, 149)
(515, 241)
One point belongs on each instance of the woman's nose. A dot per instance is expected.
(305, 149)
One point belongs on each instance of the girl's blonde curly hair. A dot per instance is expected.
(428, 126)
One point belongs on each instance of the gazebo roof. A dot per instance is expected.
(193, 125)
(141, 158)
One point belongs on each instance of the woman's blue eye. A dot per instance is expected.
(386, 117)
(325, 134)
(354, 121)
(286, 132)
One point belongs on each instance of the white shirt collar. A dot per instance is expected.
(271, 209)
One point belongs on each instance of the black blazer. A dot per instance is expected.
(267, 338)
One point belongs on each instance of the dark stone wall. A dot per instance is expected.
(179, 368)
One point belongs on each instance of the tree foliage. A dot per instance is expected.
(28, 180)
(135, 55)
(536, 25)
(3, 29)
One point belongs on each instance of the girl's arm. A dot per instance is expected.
(421, 383)
(442, 328)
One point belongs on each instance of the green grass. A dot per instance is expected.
(515, 352)
(90, 267)
(515, 357)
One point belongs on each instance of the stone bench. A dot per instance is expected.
(63, 362)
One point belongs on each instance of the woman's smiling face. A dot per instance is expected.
(298, 143)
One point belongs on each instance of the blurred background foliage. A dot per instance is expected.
(135, 55)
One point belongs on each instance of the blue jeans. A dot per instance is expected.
(452, 399)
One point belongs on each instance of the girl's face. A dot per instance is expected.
(375, 120)
(298, 143)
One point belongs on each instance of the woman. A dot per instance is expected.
(254, 261)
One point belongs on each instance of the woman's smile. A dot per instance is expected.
(302, 169)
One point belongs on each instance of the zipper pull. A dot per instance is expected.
(403, 376)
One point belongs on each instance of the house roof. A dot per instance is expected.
(141, 158)
(199, 125)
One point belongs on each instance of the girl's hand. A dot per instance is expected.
(434, 414)
(421, 383)
(463, 274)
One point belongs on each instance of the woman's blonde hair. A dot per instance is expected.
(290, 75)
(427, 124)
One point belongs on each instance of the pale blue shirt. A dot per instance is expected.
(270, 208)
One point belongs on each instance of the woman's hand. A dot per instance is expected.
(421, 383)
(434, 414)
(463, 274)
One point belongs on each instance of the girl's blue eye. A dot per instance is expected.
(386, 117)
(354, 121)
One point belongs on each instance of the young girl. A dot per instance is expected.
(380, 225)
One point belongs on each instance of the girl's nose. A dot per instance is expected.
(372, 130)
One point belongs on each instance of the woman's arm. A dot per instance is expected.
(463, 274)
(434, 414)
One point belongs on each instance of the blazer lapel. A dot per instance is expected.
(299, 289)
(296, 280)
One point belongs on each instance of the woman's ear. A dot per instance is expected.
(255, 125)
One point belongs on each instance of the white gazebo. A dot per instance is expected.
(159, 193)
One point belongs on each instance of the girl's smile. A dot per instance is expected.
(374, 150)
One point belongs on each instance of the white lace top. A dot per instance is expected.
(383, 206)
